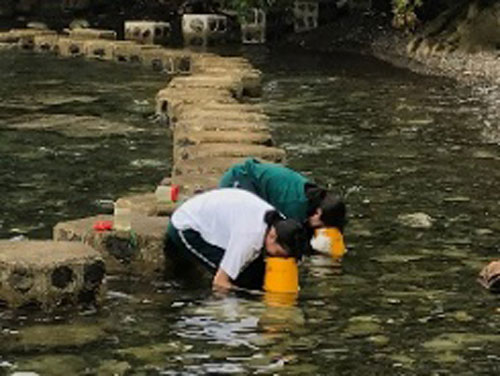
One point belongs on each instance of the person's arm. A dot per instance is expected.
(222, 280)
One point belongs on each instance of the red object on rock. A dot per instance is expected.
(174, 192)
(103, 225)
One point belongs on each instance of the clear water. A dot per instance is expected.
(406, 300)
(49, 176)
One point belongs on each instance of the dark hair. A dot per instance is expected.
(315, 195)
(291, 235)
(333, 211)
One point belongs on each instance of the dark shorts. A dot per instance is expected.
(189, 247)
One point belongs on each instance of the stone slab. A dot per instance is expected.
(184, 138)
(232, 83)
(47, 274)
(138, 252)
(216, 115)
(92, 34)
(230, 150)
(146, 204)
(202, 166)
(67, 47)
(45, 43)
(221, 125)
(191, 184)
(99, 49)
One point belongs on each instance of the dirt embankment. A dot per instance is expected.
(462, 43)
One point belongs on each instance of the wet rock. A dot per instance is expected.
(113, 368)
(54, 336)
(462, 316)
(57, 365)
(402, 361)
(397, 258)
(484, 231)
(379, 340)
(362, 326)
(416, 220)
(147, 204)
(457, 199)
(458, 341)
(153, 354)
(72, 126)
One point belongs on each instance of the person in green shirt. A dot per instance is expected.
(289, 192)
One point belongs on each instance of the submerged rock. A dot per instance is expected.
(72, 126)
(56, 365)
(416, 220)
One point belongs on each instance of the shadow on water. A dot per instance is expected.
(405, 302)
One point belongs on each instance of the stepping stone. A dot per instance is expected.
(195, 183)
(48, 274)
(221, 125)
(99, 49)
(146, 204)
(138, 252)
(231, 150)
(215, 115)
(82, 33)
(214, 166)
(183, 138)
(67, 47)
(231, 83)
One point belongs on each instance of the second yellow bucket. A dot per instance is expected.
(282, 275)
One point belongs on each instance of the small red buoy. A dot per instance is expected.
(174, 192)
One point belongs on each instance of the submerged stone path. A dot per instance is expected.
(212, 129)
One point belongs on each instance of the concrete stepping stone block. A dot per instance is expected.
(148, 32)
(204, 62)
(202, 30)
(99, 49)
(146, 204)
(131, 52)
(170, 101)
(215, 115)
(191, 184)
(221, 125)
(183, 138)
(306, 15)
(159, 60)
(47, 274)
(214, 166)
(138, 252)
(82, 33)
(253, 27)
(232, 150)
(67, 47)
(45, 43)
(232, 83)
(217, 107)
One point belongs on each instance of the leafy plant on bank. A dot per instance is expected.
(404, 16)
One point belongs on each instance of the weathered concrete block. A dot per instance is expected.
(147, 32)
(221, 125)
(159, 60)
(47, 274)
(253, 27)
(24, 37)
(138, 252)
(232, 83)
(251, 79)
(131, 52)
(67, 47)
(182, 62)
(191, 184)
(99, 49)
(201, 30)
(182, 137)
(82, 33)
(305, 16)
(45, 43)
(202, 166)
(215, 115)
(232, 150)
(146, 204)
(203, 63)
(170, 101)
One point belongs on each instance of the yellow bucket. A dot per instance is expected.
(282, 275)
(336, 240)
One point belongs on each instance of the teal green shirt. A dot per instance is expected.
(280, 186)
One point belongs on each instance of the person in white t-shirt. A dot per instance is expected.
(230, 231)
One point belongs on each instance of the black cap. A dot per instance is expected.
(333, 212)
(292, 237)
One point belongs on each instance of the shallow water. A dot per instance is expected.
(102, 142)
(405, 302)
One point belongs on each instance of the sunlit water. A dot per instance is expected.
(406, 300)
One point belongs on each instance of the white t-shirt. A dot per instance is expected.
(230, 218)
